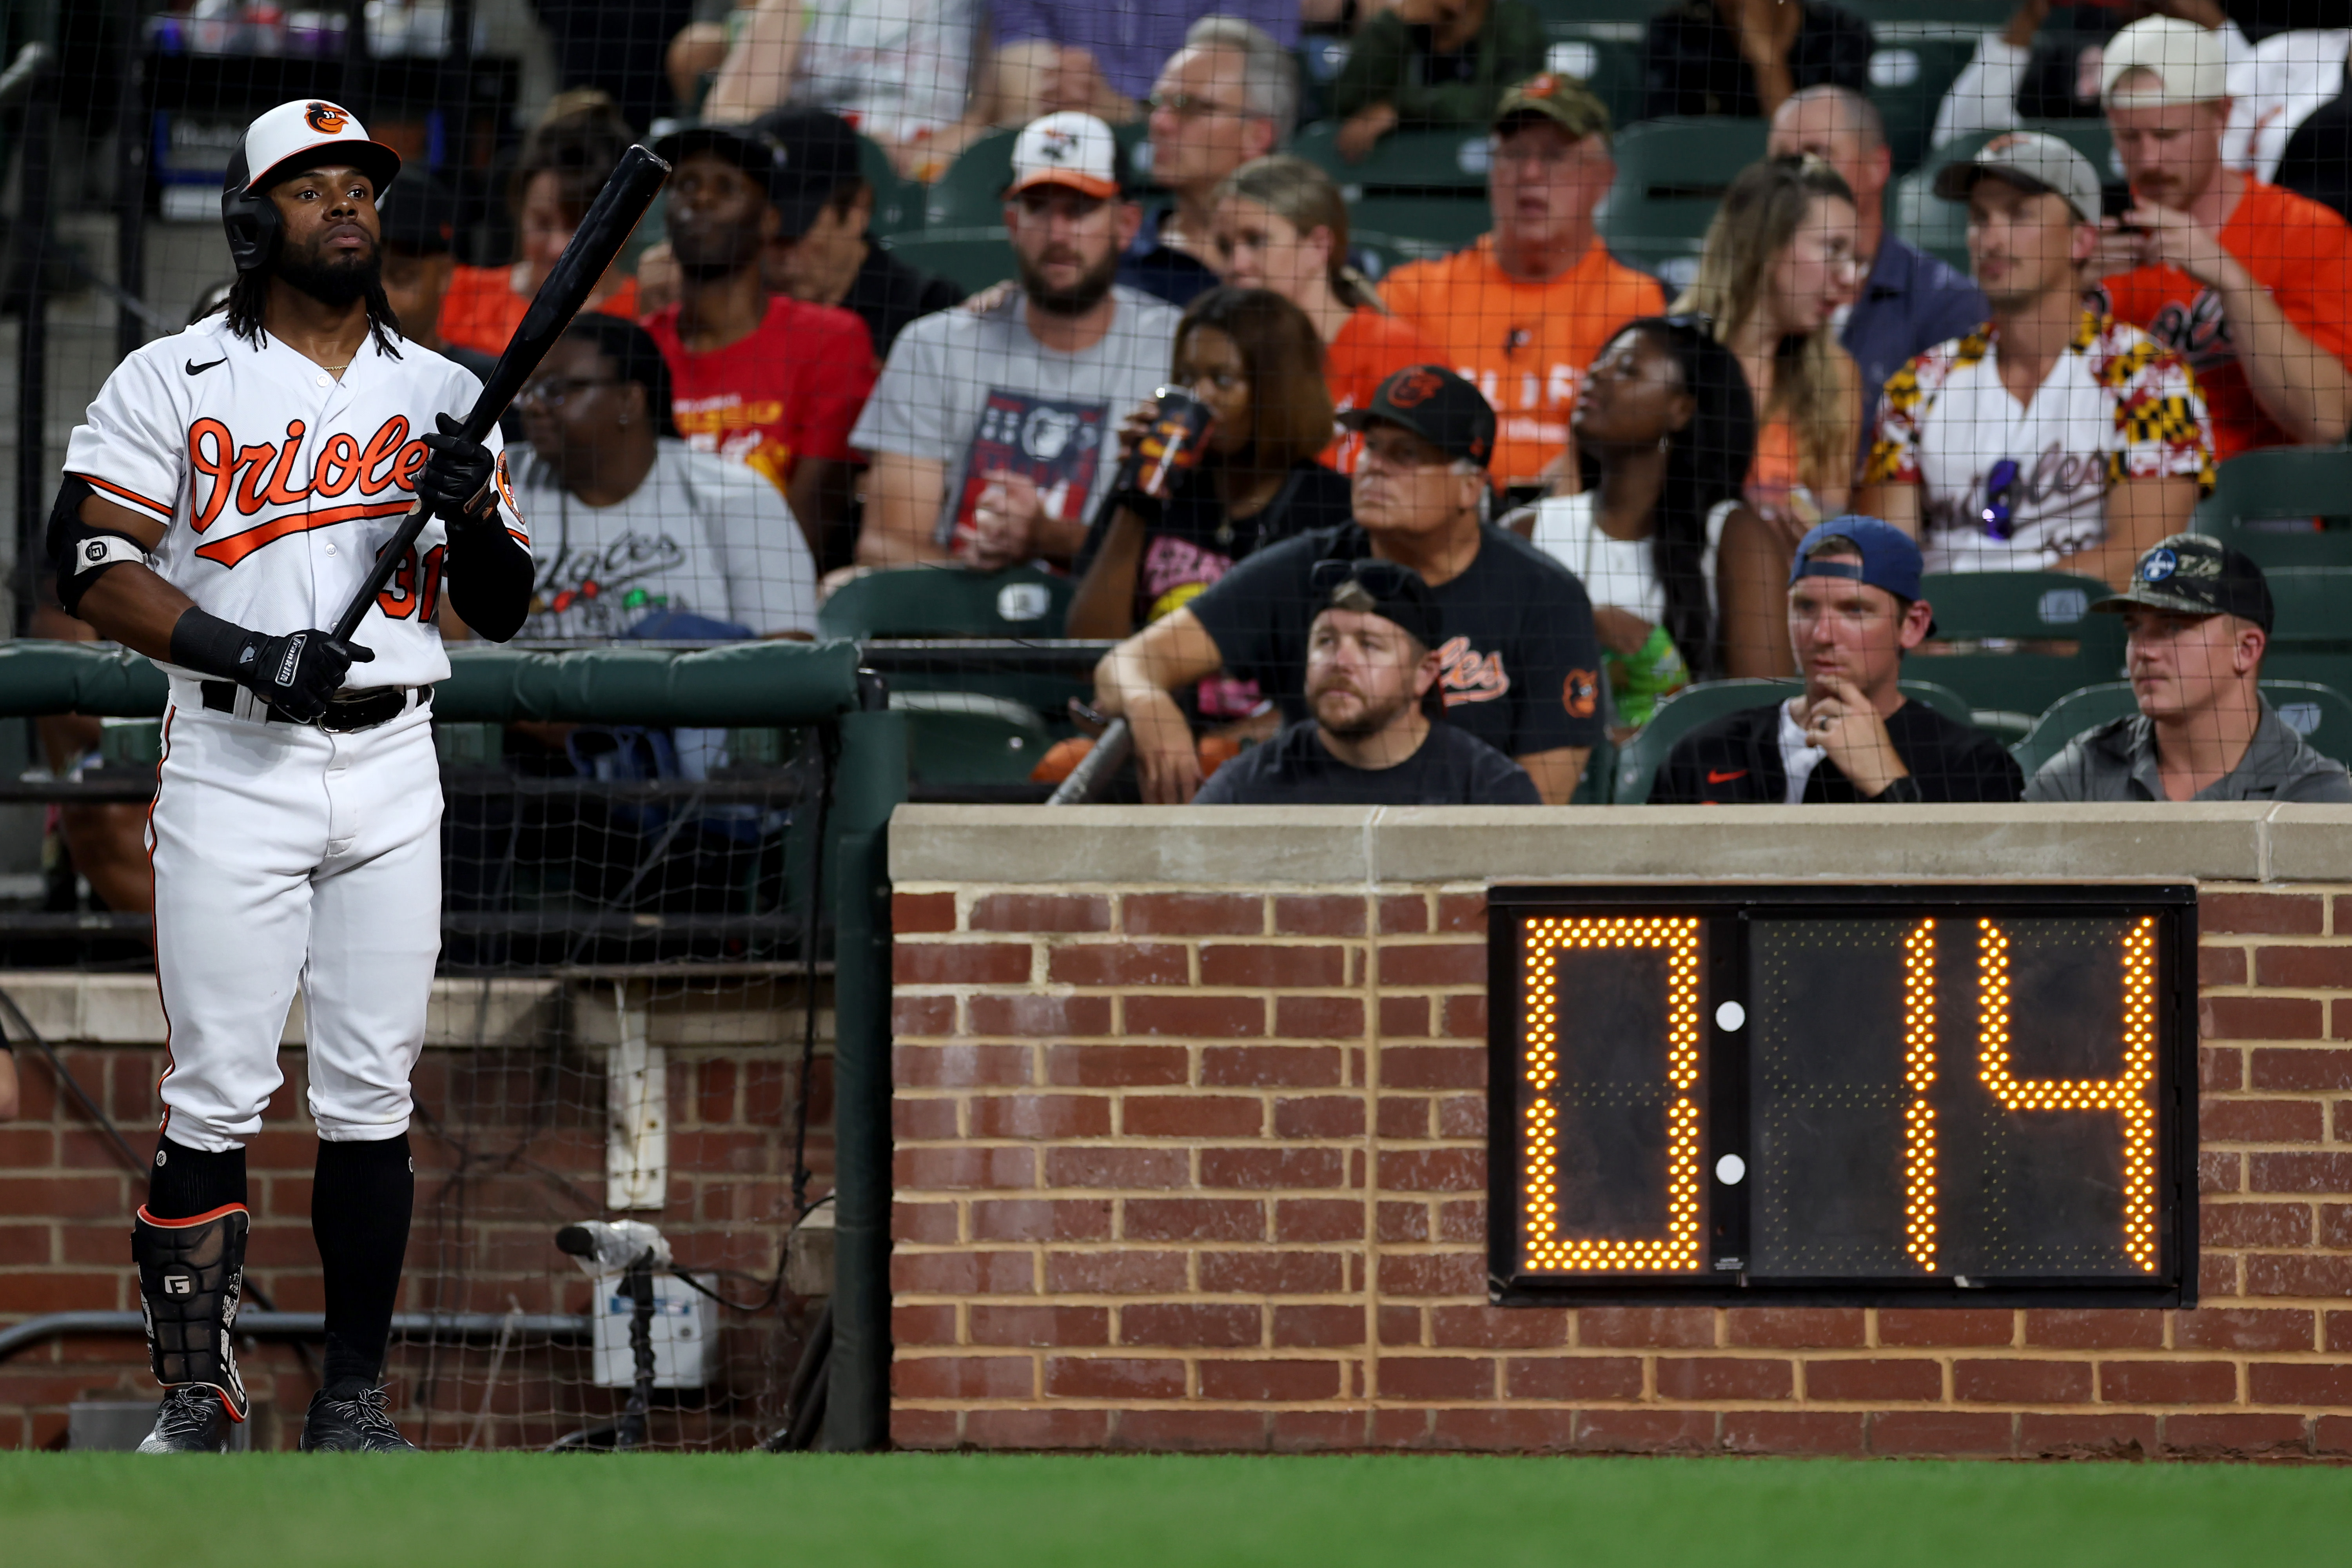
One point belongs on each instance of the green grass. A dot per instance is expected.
(509, 1511)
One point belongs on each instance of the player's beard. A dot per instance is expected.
(1368, 720)
(1077, 299)
(334, 283)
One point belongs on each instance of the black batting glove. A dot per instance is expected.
(455, 484)
(298, 674)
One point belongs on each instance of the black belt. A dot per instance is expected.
(346, 711)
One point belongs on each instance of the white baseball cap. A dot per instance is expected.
(2189, 64)
(304, 126)
(1067, 149)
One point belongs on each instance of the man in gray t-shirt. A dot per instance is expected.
(698, 537)
(2199, 615)
(993, 434)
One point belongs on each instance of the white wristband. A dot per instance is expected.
(105, 550)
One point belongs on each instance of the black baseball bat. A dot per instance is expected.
(611, 219)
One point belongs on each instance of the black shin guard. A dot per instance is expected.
(191, 1273)
(359, 1212)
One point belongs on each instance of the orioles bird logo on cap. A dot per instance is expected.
(1057, 147)
(1413, 388)
(325, 118)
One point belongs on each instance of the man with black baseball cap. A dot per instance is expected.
(419, 219)
(2199, 617)
(1519, 666)
(821, 253)
(1371, 669)
(1851, 735)
(762, 379)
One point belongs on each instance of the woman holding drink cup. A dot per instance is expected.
(1222, 462)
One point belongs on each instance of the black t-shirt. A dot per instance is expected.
(1196, 541)
(887, 294)
(1450, 768)
(1735, 761)
(1521, 663)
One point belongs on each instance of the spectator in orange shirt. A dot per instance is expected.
(2251, 284)
(1281, 225)
(1526, 310)
(766, 380)
(566, 160)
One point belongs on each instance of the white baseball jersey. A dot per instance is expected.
(277, 482)
(2117, 406)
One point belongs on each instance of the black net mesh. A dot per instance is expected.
(1054, 353)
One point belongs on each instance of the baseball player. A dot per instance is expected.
(222, 503)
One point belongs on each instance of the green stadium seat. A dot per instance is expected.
(1993, 637)
(1909, 78)
(2320, 714)
(897, 201)
(1695, 707)
(1941, 227)
(971, 258)
(1610, 66)
(946, 602)
(956, 737)
(1021, 602)
(2313, 606)
(2286, 506)
(1670, 177)
(1414, 163)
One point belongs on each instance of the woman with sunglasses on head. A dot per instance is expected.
(634, 533)
(1664, 431)
(1281, 223)
(1253, 359)
(1780, 263)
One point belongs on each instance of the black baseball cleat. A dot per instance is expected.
(359, 1425)
(189, 1421)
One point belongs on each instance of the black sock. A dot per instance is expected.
(183, 1183)
(359, 1214)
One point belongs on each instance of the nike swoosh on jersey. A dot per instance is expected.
(195, 369)
(1714, 777)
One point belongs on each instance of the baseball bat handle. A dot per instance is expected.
(594, 245)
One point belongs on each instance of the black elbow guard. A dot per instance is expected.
(82, 555)
(489, 575)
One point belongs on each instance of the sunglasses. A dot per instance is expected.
(2000, 499)
(1384, 579)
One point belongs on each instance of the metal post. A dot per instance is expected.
(32, 254)
(133, 125)
(869, 784)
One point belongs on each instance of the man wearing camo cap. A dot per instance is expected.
(2199, 617)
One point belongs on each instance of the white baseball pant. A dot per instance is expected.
(287, 856)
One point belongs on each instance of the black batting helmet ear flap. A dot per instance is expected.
(248, 216)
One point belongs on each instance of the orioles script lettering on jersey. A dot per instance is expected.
(260, 476)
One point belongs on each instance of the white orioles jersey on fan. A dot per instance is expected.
(278, 483)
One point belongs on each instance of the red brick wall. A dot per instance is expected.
(510, 1144)
(1205, 1169)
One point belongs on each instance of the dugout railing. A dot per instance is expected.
(816, 761)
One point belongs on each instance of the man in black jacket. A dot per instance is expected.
(1854, 610)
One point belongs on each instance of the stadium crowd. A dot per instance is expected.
(1448, 534)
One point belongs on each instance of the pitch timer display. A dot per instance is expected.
(1860, 1096)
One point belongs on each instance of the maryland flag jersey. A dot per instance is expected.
(2006, 486)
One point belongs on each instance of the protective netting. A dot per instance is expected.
(1434, 401)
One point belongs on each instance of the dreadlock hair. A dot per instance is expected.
(250, 293)
(1707, 464)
